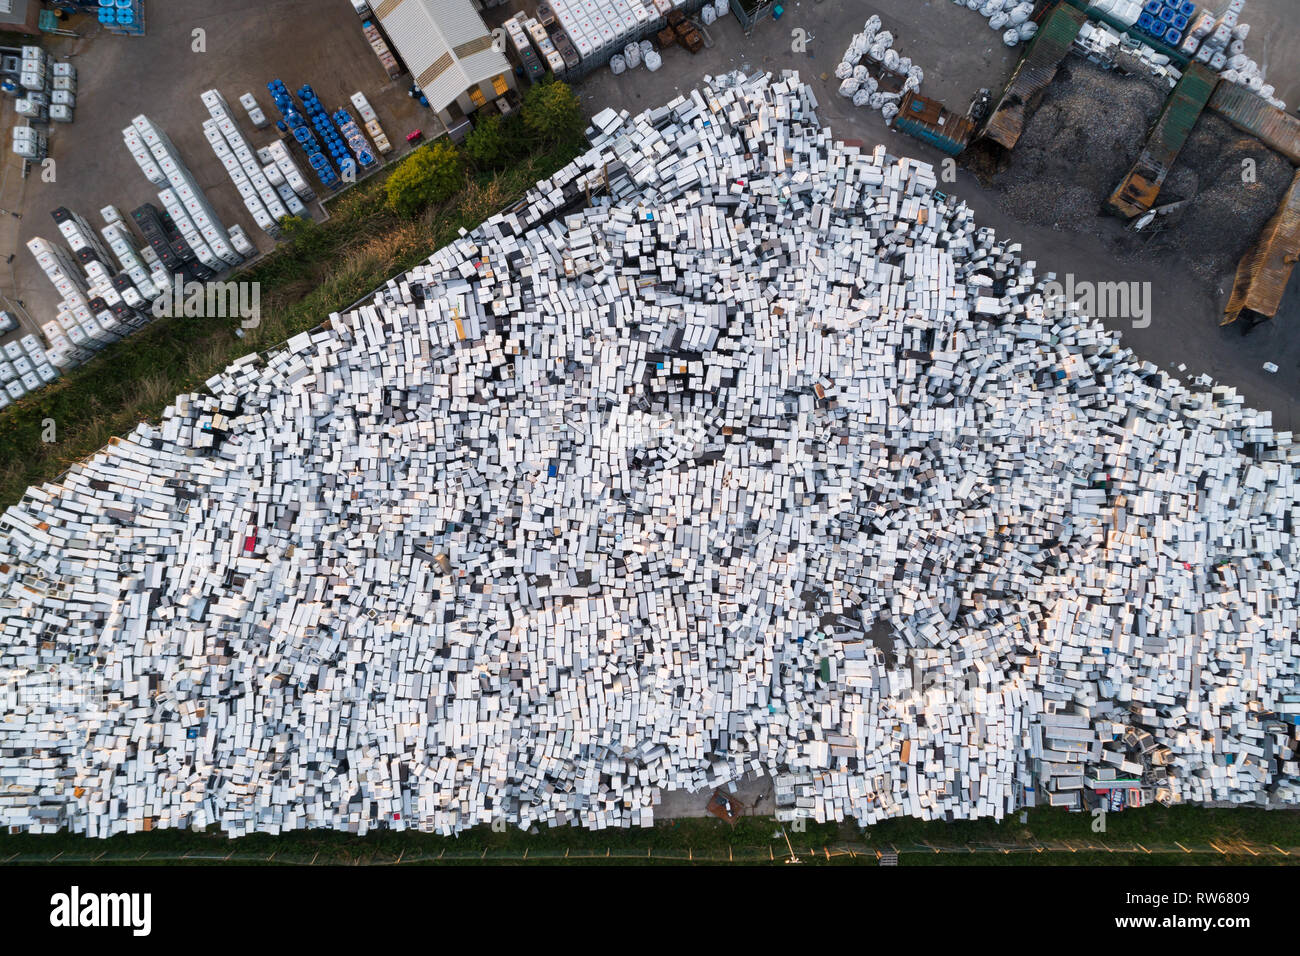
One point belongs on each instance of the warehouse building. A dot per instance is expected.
(448, 50)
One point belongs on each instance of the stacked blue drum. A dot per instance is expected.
(303, 124)
(1165, 20)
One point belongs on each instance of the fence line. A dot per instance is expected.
(731, 854)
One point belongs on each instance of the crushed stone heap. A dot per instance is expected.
(613, 496)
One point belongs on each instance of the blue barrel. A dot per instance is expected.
(1158, 30)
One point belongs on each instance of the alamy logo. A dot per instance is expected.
(1116, 301)
(212, 300)
(75, 909)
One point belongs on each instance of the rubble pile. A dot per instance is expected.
(1227, 186)
(1066, 164)
(605, 500)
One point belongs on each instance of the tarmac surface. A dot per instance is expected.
(247, 43)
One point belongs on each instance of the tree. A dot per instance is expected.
(486, 144)
(552, 112)
(429, 175)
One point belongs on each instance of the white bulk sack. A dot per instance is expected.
(707, 16)
(862, 97)
(849, 87)
(617, 64)
(1021, 13)
(1011, 37)
(653, 61)
(998, 21)
(844, 70)
(632, 54)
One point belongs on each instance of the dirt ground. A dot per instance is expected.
(1067, 163)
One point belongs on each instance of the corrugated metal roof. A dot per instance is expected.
(1253, 114)
(1265, 270)
(1138, 190)
(931, 122)
(1035, 71)
(444, 44)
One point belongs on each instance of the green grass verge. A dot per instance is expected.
(326, 268)
(1049, 837)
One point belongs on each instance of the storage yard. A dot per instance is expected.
(246, 49)
(744, 457)
(583, 544)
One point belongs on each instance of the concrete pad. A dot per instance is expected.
(248, 43)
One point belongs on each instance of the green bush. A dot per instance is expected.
(552, 112)
(304, 235)
(430, 175)
(486, 143)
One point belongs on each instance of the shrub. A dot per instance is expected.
(432, 174)
(552, 112)
(486, 144)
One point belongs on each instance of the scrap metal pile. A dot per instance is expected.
(605, 498)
